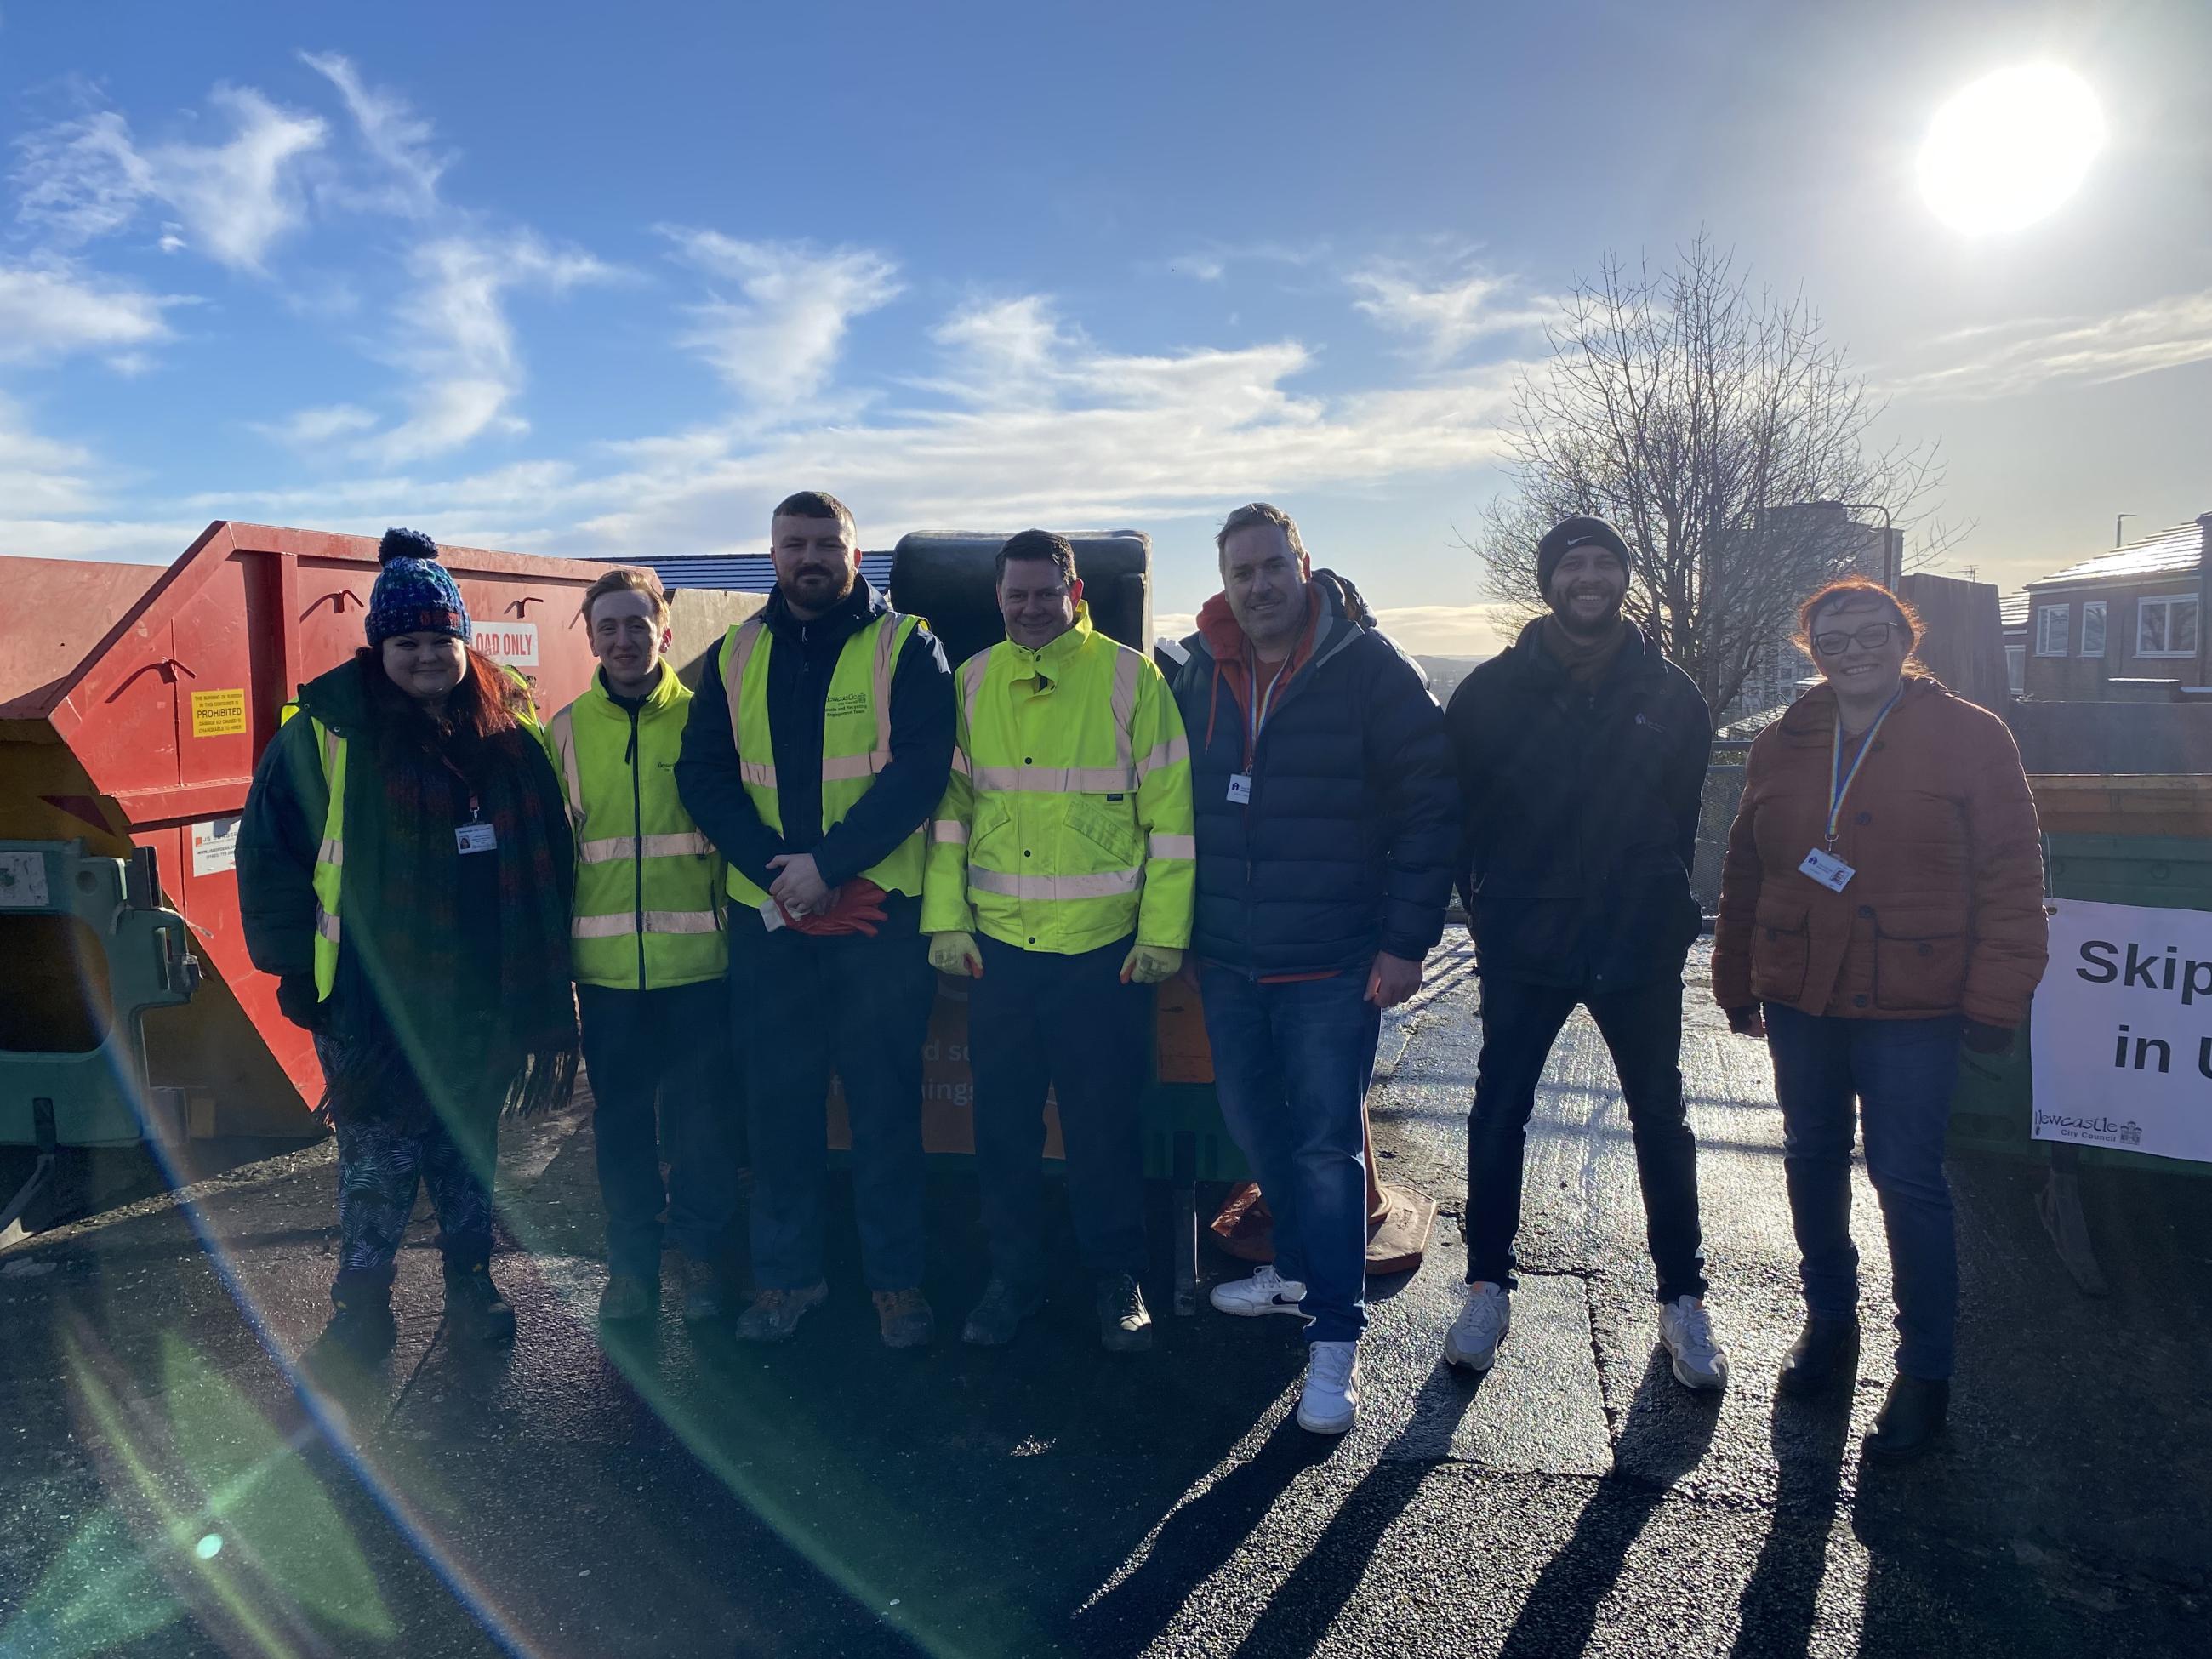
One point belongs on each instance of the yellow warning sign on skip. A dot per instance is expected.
(219, 714)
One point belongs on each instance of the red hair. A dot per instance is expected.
(488, 703)
(1843, 591)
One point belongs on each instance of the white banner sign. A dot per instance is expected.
(2123, 1045)
(514, 643)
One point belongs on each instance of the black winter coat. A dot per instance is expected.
(1580, 815)
(1346, 846)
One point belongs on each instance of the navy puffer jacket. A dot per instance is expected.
(1347, 844)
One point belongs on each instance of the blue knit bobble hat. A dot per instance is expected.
(414, 593)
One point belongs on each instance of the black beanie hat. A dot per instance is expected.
(1581, 531)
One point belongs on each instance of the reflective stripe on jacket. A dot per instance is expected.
(856, 737)
(1066, 823)
(647, 912)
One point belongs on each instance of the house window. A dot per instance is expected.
(2093, 629)
(2167, 626)
(2016, 668)
(2051, 629)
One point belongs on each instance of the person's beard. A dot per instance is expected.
(1603, 628)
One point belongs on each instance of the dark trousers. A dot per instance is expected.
(661, 1048)
(380, 1169)
(1292, 1066)
(1642, 1030)
(1901, 1073)
(802, 1008)
(1038, 1021)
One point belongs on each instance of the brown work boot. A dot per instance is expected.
(701, 1282)
(627, 1297)
(775, 1314)
(906, 1319)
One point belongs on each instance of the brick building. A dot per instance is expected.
(2122, 626)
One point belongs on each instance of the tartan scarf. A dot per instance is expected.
(460, 1001)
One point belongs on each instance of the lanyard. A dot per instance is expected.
(1263, 699)
(1840, 782)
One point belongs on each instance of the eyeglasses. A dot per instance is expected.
(1872, 637)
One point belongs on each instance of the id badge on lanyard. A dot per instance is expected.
(1821, 864)
(475, 835)
(1240, 783)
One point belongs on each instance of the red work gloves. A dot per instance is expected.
(859, 908)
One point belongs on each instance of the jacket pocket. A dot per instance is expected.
(1918, 967)
(1781, 949)
(1106, 830)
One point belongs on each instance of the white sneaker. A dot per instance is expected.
(1687, 1330)
(1330, 1400)
(1266, 1293)
(1472, 1342)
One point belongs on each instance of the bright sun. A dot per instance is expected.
(2010, 148)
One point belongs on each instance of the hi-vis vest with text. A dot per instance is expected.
(330, 858)
(856, 737)
(647, 912)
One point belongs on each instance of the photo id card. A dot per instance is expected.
(476, 838)
(1240, 788)
(1831, 871)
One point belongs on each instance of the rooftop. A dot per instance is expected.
(741, 573)
(2179, 548)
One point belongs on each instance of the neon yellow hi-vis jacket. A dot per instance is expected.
(1066, 823)
(647, 912)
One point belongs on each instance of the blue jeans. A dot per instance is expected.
(1901, 1072)
(661, 1080)
(1291, 1064)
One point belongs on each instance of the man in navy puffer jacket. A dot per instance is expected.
(1327, 827)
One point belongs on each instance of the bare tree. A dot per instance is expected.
(1706, 422)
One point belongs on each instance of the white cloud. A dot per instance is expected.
(777, 344)
(312, 429)
(86, 178)
(2004, 360)
(1449, 630)
(52, 309)
(80, 179)
(1444, 314)
(457, 342)
(38, 475)
(399, 138)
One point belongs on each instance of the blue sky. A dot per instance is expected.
(592, 280)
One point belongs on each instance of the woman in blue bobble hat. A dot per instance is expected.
(404, 868)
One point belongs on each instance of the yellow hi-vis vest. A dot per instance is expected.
(648, 911)
(856, 737)
(1065, 825)
(329, 878)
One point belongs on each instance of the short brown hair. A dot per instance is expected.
(1854, 590)
(1253, 513)
(816, 504)
(627, 579)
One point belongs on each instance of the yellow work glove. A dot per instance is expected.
(955, 953)
(1151, 965)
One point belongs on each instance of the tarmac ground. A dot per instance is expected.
(169, 1492)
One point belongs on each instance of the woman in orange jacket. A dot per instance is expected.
(1881, 902)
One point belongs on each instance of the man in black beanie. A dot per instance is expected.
(1581, 755)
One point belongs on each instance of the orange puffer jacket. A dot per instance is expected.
(1945, 914)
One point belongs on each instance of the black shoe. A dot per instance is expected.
(1125, 1324)
(361, 1333)
(992, 1321)
(475, 1310)
(1910, 1420)
(1822, 1349)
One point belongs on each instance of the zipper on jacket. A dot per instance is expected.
(637, 838)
